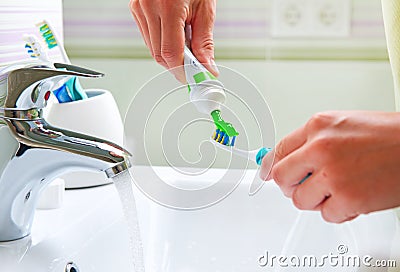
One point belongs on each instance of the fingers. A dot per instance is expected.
(162, 24)
(172, 44)
(318, 193)
(141, 21)
(162, 27)
(314, 194)
(292, 169)
(347, 177)
(287, 145)
(290, 143)
(202, 42)
(154, 30)
(266, 165)
(334, 212)
(311, 194)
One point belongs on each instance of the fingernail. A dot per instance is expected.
(180, 78)
(267, 161)
(214, 65)
(179, 74)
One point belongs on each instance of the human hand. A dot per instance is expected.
(354, 158)
(162, 24)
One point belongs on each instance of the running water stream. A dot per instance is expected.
(123, 184)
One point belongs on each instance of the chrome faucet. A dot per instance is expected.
(33, 152)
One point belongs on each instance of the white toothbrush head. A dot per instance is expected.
(35, 49)
(253, 155)
(250, 155)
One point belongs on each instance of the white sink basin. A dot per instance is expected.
(230, 236)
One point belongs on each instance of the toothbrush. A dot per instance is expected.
(51, 40)
(34, 48)
(256, 156)
(253, 155)
(73, 90)
(207, 94)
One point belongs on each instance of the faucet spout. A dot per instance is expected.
(34, 152)
(43, 153)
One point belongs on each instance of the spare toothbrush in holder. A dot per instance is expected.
(72, 90)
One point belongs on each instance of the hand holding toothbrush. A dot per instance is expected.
(354, 158)
(162, 24)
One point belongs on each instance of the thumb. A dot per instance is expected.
(202, 42)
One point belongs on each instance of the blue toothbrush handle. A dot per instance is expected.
(304, 179)
(264, 151)
(261, 154)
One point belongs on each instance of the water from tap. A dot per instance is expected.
(123, 183)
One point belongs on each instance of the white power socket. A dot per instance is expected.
(311, 18)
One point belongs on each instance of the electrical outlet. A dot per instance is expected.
(331, 18)
(290, 18)
(311, 18)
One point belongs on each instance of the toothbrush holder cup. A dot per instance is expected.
(97, 116)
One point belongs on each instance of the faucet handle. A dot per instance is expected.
(29, 87)
(77, 70)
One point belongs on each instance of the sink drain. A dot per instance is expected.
(71, 267)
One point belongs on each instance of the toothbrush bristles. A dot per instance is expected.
(233, 141)
(226, 140)
(223, 138)
(216, 134)
(48, 35)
